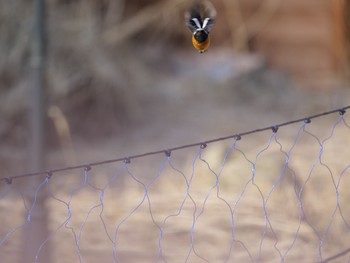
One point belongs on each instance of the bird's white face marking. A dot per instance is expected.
(196, 21)
(205, 22)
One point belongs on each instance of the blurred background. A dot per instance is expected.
(126, 71)
(83, 81)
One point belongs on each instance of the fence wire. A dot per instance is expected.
(279, 195)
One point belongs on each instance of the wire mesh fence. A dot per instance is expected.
(276, 194)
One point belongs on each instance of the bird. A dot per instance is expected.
(200, 19)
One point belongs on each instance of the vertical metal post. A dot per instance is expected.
(36, 231)
(37, 107)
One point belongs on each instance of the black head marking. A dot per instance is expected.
(201, 36)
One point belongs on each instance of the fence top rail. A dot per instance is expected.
(168, 151)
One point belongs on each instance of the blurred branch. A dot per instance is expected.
(142, 19)
(236, 24)
(14, 103)
(242, 30)
(63, 130)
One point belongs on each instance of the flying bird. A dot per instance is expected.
(200, 19)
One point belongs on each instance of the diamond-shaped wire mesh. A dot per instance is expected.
(273, 195)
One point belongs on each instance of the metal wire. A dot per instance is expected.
(168, 151)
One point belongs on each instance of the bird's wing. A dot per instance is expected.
(201, 16)
(193, 18)
(209, 15)
(208, 24)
